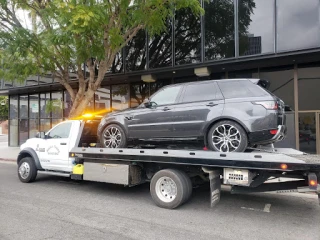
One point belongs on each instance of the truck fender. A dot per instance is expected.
(29, 152)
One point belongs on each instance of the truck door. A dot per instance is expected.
(54, 154)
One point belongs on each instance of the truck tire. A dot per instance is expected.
(189, 185)
(113, 136)
(169, 188)
(27, 170)
(227, 136)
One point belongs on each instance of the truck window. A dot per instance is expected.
(200, 92)
(60, 131)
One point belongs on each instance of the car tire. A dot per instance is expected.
(227, 136)
(27, 170)
(169, 188)
(117, 137)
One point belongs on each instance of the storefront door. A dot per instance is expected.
(309, 132)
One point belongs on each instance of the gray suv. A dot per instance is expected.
(224, 115)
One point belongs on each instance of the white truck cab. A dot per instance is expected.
(52, 150)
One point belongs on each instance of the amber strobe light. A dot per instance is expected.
(313, 181)
(284, 166)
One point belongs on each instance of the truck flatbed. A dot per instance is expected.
(254, 160)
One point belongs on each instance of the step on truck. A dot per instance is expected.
(70, 149)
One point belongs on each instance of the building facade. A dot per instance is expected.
(277, 40)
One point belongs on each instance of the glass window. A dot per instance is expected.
(34, 106)
(136, 52)
(297, 24)
(281, 83)
(7, 84)
(23, 107)
(160, 48)
(33, 127)
(23, 130)
(307, 132)
(219, 29)
(45, 79)
(254, 39)
(13, 131)
(199, 92)
(13, 107)
(187, 37)
(67, 104)
(44, 100)
(56, 121)
(102, 99)
(166, 96)
(60, 131)
(56, 99)
(120, 97)
(117, 65)
(32, 80)
(308, 88)
(138, 93)
(45, 125)
(19, 83)
(154, 87)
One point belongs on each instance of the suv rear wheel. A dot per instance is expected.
(227, 136)
(113, 136)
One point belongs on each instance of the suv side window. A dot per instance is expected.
(200, 92)
(166, 96)
(240, 89)
(60, 131)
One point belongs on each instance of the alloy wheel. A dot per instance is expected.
(112, 137)
(226, 138)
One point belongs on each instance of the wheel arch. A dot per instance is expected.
(214, 121)
(29, 152)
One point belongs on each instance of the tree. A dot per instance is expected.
(4, 108)
(70, 36)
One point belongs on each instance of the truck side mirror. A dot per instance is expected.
(41, 135)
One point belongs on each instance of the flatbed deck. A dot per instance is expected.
(254, 160)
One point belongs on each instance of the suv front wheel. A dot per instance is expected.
(227, 136)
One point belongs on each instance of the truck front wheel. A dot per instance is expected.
(27, 170)
(169, 188)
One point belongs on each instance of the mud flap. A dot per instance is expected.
(215, 185)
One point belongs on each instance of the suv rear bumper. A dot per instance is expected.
(265, 137)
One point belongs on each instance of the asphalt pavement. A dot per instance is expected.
(58, 208)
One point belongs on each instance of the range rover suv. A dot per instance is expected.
(225, 115)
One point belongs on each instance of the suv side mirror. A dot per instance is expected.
(41, 135)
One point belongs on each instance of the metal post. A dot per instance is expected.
(296, 104)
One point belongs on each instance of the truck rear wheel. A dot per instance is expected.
(27, 170)
(170, 188)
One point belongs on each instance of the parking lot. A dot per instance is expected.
(57, 208)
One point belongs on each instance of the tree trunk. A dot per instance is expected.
(79, 106)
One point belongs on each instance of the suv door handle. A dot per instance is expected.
(63, 143)
(166, 109)
(211, 104)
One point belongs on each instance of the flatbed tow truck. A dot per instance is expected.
(70, 149)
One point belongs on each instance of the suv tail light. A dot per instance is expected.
(270, 105)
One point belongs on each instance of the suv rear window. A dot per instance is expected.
(199, 92)
(241, 89)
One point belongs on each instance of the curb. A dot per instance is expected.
(7, 160)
